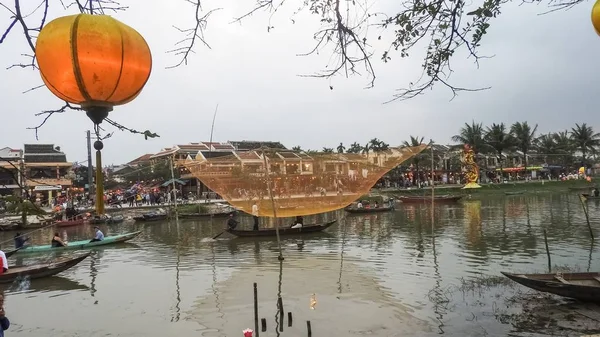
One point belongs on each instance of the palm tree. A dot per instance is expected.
(297, 148)
(473, 135)
(546, 145)
(354, 148)
(341, 148)
(415, 141)
(366, 149)
(524, 138)
(378, 145)
(585, 140)
(327, 150)
(498, 138)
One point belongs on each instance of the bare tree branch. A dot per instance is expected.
(48, 113)
(443, 27)
(147, 134)
(193, 35)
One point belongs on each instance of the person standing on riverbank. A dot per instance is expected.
(255, 215)
(4, 322)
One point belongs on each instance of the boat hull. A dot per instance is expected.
(589, 197)
(580, 286)
(69, 223)
(514, 193)
(205, 215)
(146, 218)
(83, 244)
(368, 210)
(282, 231)
(417, 200)
(40, 270)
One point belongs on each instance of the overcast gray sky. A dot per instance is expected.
(544, 71)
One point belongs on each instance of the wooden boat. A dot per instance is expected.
(425, 199)
(368, 210)
(579, 189)
(589, 196)
(41, 270)
(83, 244)
(69, 223)
(580, 286)
(116, 219)
(514, 193)
(282, 231)
(205, 215)
(152, 216)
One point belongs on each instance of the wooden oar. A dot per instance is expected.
(216, 236)
(12, 252)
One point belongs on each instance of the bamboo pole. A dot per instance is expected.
(270, 190)
(587, 216)
(547, 252)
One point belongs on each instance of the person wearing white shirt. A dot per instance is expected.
(255, 215)
(4, 263)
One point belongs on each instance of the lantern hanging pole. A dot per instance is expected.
(98, 145)
(172, 163)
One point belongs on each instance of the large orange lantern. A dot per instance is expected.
(94, 61)
(596, 16)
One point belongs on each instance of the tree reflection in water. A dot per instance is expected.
(95, 258)
(177, 311)
(279, 312)
(343, 225)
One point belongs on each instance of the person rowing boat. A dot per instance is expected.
(57, 241)
(20, 240)
(299, 222)
(231, 222)
(99, 235)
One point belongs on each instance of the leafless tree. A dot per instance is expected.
(443, 27)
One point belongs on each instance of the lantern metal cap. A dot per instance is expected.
(97, 113)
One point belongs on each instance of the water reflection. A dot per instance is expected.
(395, 271)
(94, 258)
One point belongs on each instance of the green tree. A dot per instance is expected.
(546, 146)
(341, 148)
(355, 148)
(565, 147)
(366, 149)
(499, 139)
(415, 141)
(524, 138)
(472, 134)
(327, 150)
(585, 140)
(377, 145)
(297, 148)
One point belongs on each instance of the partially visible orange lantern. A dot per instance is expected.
(94, 61)
(596, 16)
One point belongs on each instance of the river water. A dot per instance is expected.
(375, 275)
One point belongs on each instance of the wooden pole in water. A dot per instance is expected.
(256, 309)
(587, 216)
(280, 305)
(432, 187)
(547, 252)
